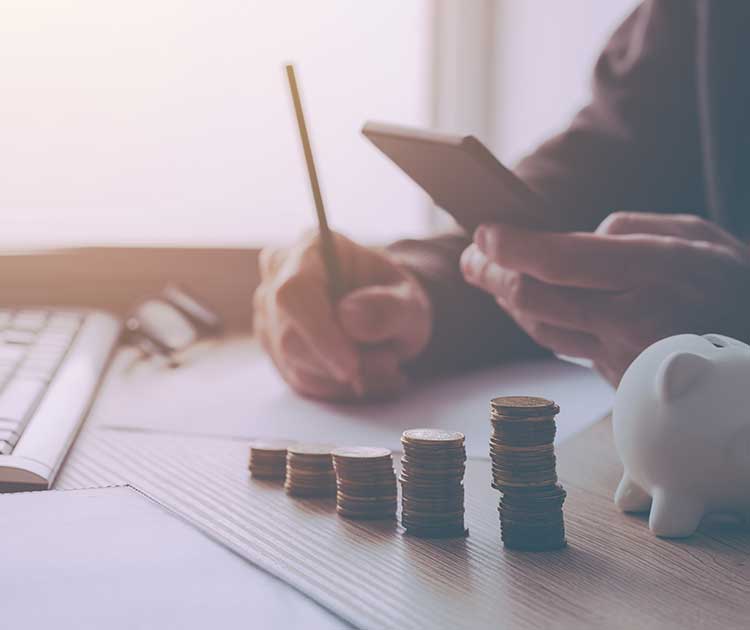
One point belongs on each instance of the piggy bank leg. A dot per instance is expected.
(630, 497)
(674, 514)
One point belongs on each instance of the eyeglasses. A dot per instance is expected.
(169, 323)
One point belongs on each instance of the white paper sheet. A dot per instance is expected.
(234, 390)
(110, 558)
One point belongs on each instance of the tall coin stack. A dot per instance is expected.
(268, 459)
(365, 482)
(432, 472)
(524, 470)
(309, 471)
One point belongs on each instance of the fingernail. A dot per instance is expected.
(480, 237)
(478, 261)
(490, 243)
(466, 262)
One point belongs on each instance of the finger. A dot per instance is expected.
(381, 374)
(314, 386)
(359, 265)
(269, 260)
(581, 259)
(686, 226)
(308, 307)
(575, 309)
(561, 341)
(295, 352)
(377, 314)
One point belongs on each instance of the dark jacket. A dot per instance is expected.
(667, 130)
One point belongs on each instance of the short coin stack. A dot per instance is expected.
(432, 472)
(365, 482)
(309, 471)
(268, 459)
(523, 469)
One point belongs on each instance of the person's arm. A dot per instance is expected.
(468, 328)
(634, 147)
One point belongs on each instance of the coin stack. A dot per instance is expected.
(268, 459)
(309, 471)
(523, 469)
(365, 483)
(432, 472)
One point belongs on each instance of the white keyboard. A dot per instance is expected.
(51, 362)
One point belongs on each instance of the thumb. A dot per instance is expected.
(380, 313)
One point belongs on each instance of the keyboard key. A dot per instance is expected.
(19, 398)
(64, 321)
(46, 413)
(32, 321)
(44, 351)
(11, 354)
(10, 425)
(39, 366)
(43, 358)
(36, 373)
(54, 338)
(18, 337)
(5, 372)
(9, 436)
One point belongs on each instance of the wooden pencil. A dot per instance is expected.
(327, 245)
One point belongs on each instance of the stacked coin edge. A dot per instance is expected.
(365, 483)
(309, 471)
(524, 470)
(432, 491)
(267, 459)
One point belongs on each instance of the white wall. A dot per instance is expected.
(545, 51)
(170, 120)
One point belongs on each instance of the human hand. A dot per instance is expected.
(351, 349)
(606, 296)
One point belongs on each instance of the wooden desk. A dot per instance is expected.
(614, 573)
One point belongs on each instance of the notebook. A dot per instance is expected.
(112, 558)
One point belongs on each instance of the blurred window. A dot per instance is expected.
(544, 53)
(169, 121)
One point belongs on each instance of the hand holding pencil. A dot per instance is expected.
(338, 319)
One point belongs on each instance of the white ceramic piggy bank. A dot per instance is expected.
(681, 424)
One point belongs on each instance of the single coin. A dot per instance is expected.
(361, 452)
(268, 475)
(455, 531)
(426, 461)
(364, 501)
(522, 405)
(271, 446)
(432, 435)
(554, 490)
(389, 514)
(311, 450)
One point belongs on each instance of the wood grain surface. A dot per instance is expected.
(613, 574)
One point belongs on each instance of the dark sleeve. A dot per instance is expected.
(469, 328)
(634, 147)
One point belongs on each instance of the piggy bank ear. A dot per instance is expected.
(678, 373)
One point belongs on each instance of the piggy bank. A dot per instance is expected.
(681, 422)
